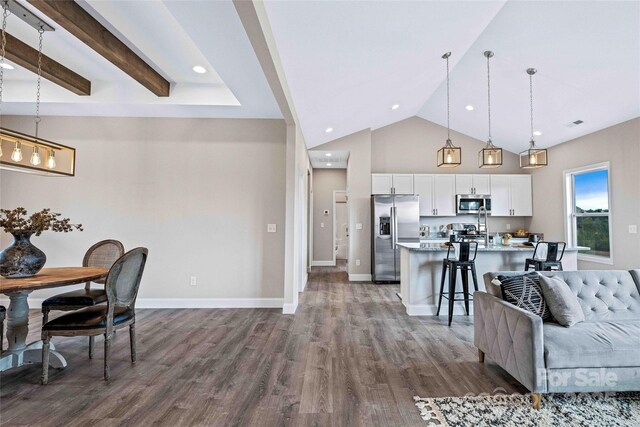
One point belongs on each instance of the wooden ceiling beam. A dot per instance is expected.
(72, 17)
(27, 57)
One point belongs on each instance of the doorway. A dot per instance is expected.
(341, 226)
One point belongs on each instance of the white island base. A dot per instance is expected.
(421, 270)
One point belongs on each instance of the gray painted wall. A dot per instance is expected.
(620, 145)
(198, 193)
(325, 182)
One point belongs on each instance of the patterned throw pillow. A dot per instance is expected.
(524, 291)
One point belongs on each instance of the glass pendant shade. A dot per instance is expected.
(449, 156)
(533, 157)
(490, 157)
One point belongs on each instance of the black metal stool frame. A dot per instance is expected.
(551, 259)
(464, 262)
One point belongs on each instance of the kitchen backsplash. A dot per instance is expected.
(498, 224)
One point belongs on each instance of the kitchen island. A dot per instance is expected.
(421, 269)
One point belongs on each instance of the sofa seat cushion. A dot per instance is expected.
(604, 344)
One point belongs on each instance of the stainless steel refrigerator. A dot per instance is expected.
(395, 219)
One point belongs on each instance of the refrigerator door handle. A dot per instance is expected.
(394, 222)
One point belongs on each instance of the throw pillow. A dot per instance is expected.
(524, 291)
(563, 304)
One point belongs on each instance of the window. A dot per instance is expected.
(588, 215)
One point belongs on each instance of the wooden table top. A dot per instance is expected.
(52, 278)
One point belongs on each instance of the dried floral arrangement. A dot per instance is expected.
(16, 220)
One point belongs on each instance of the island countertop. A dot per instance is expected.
(437, 247)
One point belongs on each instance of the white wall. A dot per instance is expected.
(619, 145)
(198, 193)
(325, 182)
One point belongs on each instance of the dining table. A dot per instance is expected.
(20, 353)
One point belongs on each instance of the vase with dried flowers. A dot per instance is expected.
(22, 258)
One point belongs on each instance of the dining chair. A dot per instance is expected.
(121, 286)
(102, 254)
(3, 314)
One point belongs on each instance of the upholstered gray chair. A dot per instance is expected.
(102, 254)
(121, 286)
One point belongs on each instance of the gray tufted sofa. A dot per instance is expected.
(600, 354)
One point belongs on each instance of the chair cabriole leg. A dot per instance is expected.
(92, 346)
(45, 358)
(132, 341)
(107, 351)
(480, 356)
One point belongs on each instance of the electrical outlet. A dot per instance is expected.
(508, 227)
(322, 225)
(358, 226)
(633, 229)
(271, 228)
(193, 281)
(357, 262)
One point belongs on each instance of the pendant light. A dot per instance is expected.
(449, 156)
(533, 157)
(3, 45)
(35, 157)
(490, 156)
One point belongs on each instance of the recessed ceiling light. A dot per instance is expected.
(328, 130)
(328, 154)
(6, 66)
(469, 107)
(199, 69)
(328, 164)
(537, 133)
(395, 106)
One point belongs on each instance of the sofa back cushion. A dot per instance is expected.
(602, 294)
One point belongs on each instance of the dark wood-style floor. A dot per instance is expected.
(350, 356)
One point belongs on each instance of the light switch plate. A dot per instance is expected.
(357, 262)
(358, 226)
(633, 229)
(322, 225)
(271, 228)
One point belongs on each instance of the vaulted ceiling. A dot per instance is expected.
(348, 62)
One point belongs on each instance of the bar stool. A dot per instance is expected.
(3, 313)
(463, 259)
(545, 257)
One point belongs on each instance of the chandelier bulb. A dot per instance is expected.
(35, 157)
(16, 155)
(51, 160)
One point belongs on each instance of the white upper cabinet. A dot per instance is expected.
(473, 184)
(500, 195)
(381, 183)
(521, 196)
(511, 195)
(437, 194)
(387, 183)
(423, 187)
(403, 183)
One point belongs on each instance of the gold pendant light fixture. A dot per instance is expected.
(490, 156)
(533, 157)
(449, 156)
(60, 159)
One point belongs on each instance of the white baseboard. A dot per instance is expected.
(431, 309)
(359, 277)
(323, 263)
(289, 308)
(36, 303)
(305, 278)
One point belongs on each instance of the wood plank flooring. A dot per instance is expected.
(350, 356)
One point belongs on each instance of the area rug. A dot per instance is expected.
(558, 410)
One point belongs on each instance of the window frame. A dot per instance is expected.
(570, 222)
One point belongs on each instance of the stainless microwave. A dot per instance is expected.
(471, 203)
